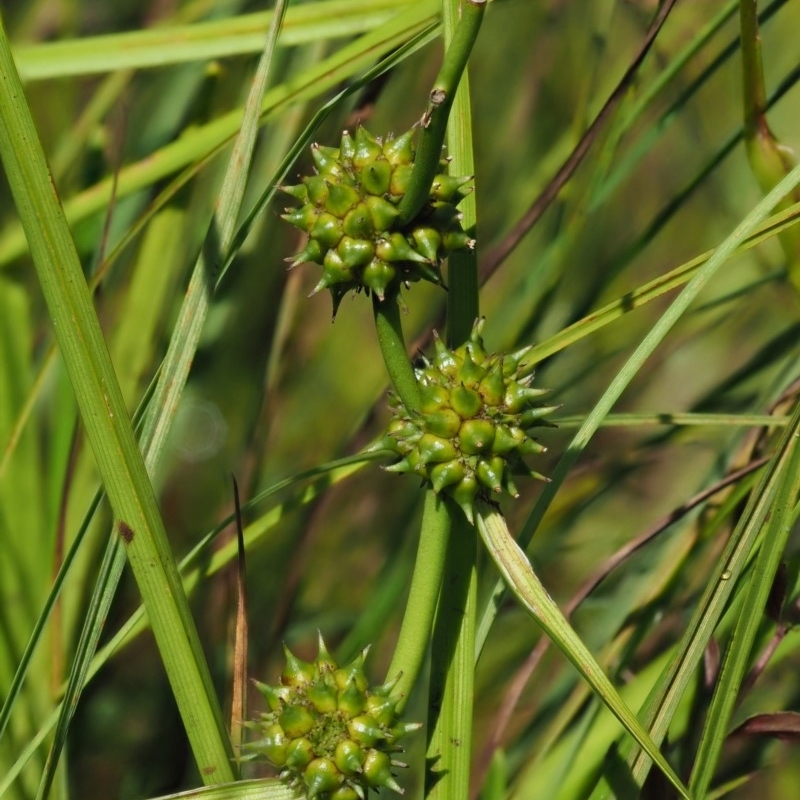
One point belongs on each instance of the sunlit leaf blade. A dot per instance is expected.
(106, 423)
(217, 38)
(523, 582)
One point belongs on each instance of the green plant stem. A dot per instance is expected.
(393, 348)
(450, 694)
(452, 670)
(462, 265)
(412, 644)
(434, 121)
(107, 425)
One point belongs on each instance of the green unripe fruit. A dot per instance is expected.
(317, 188)
(378, 771)
(435, 450)
(299, 192)
(351, 700)
(355, 252)
(275, 696)
(384, 214)
(327, 230)
(476, 436)
(341, 199)
(518, 397)
(321, 777)
(448, 474)
(376, 178)
(304, 218)
(345, 793)
(296, 672)
(456, 240)
(351, 207)
(465, 402)
(470, 432)
(299, 754)
(349, 757)
(326, 159)
(493, 386)
(296, 721)
(443, 422)
(274, 745)
(428, 242)
(325, 725)
(324, 698)
(465, 492)
(367, 148)
(507, 440)
(449, 188)
(400, 180)
(435, 398)
(358, 224)
(396, 248)
(311, 252)
(364, 730)
(382, 708)
(400, 150)
(335, 268)
(490, 473)
(378, 276)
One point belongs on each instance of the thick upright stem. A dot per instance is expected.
(452, 670)
(415, 633)
(462, 265)
(434, 121)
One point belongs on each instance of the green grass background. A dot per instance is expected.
(276, 389)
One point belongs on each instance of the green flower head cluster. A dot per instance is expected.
(330, 734)
(350, 212)
(470, 434)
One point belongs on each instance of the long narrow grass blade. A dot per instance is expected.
(183, 344)
(774, 536)
(528, 589)
(107, 424)
(241, 638)
(173, 374)
(270, 789)
(658, 711)
(201, 41)
(631, 368)
(653, 289)
(451, 694)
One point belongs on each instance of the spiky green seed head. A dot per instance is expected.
(471, 432)
(349, 211)
(331, 735)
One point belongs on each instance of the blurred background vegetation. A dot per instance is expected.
(276, 388)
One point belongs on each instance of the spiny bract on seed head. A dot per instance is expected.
(330, 734)
(349, 211)
(470, 434)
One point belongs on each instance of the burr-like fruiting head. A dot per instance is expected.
(470, 434)
(329, 733)
(349, 211)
